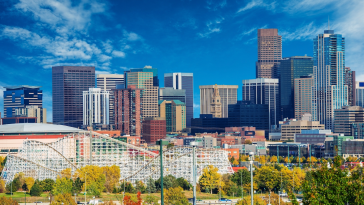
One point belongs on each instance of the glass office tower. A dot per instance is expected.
(329, 91)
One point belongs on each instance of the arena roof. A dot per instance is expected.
(29, 128)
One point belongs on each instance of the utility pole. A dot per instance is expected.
(85, 186)
(251, 176)
(194, 175)
(90, 123)
(161, 143)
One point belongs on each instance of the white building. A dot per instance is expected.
(96, 101)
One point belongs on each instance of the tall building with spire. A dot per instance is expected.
(329, 90)
(216, 103)
(269, 53)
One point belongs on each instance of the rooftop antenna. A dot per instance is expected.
(328, 19)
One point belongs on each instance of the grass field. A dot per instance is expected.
(20, 196)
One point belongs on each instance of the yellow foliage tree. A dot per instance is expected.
(112, 176)
(2, 186)
(235, 162)
(267, 177)
(67, 173)
(29, 181)
(63, 199)
(210, 178)
(175, 196)
(262, 159)
(273, 159)
(286, 160)
(247, 201)
(95, 179)
(314, 159)
(247, 187)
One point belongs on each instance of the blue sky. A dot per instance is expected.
(214, 39)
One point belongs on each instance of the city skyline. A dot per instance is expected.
(191, 41)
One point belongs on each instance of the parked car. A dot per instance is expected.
(224, 200)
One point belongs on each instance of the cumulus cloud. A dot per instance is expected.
(119, 54)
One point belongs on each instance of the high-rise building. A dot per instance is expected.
(68, 84)
(145, 81)
(108, 82)
(174, 112)
(345, 117)
(264, 91)
(154, 129)
(290, 69)
(329, 91)
(302, 96)
(206, 123)
(228, 95)
(350, 82)
(245, 113)
(146, 69)
(292, 127)
(359, 94)
(32, 111)
(269, 53)
(183, 81)
(96, 102)
(172, 94)
(20, 97)
(128, 110)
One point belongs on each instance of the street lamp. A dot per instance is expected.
(25, 194)
(251, 156)
(85, 186)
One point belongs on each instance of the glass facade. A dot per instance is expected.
(292, 68)
(330, 91)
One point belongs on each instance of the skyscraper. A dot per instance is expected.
(32, 111)
(108, 82)
(128, 110)
(184, 81)
(216, 103)
(96, 101)
(149, 97)
(172, 94)
(302, 96)
(264, 91)
(269, 53)
(21, 97)
(350, 82)
(228, 95)
(345, 117)
(146, 68)
(174, 112)
(329, 91)
(68, 84)
(290, 69)
(359, 93)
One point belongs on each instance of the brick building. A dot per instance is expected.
(154, 129)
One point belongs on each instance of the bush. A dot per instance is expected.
(36, 189)
(8, 201)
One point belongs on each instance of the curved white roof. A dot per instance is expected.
(36, 128)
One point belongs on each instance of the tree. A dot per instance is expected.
(36, 189)
(94, 176)
(247, 201)
(11, 188)
(63, 199)
(151, 188)
(129, 188)
(47, 184)
(29, 182)
(267, 177)
(273, 159)
(242, 176)
(175, 196)
(8, 201)
(140, 187)
(129, 200)
(18, 180)
(77, 186)
(183, 183)
(62, 186)
(314, 160)
(150, 199)
(168, 182)
(67, 173)
(94, 189)
(262, 159)
(2, 186)
(210, 178)
(235, 162)
(112, 176)
(231, 159)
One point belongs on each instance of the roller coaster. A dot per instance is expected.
(47, 160)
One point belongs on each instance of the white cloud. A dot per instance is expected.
(131, 36)
(107, 46)
(212, 27)
(103, 58)
(256, 4)
(62, 15)
(306, 32)
(124, 68)
(196, 105)
(101, 72)
(119, 54)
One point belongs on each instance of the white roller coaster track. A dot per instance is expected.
(47, 160)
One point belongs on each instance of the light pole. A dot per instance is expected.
(241, 184)
(75, 198)
(25, 194)
(85, 186)
(251, 154)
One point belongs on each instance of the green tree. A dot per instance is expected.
(36, 189)
(183, 183)
(77, 186)
(168, 182)
(140, 187)
(151, 188)
(242, 176)
(62, 186)
(47, 184)
(10, 188)
(267, 177)
(94, 189)
(150, 199)
(175, 196)
(129, 188)
(210, 178)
